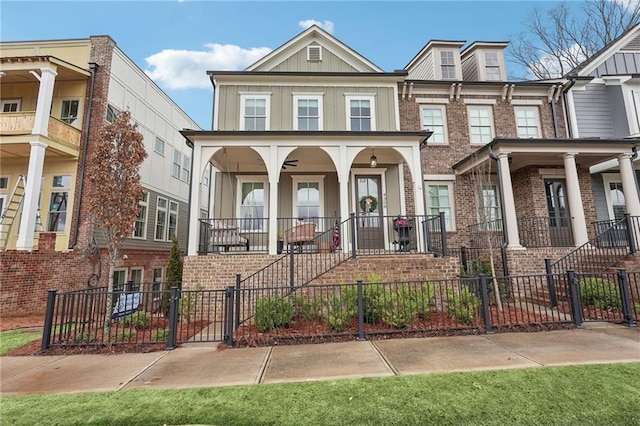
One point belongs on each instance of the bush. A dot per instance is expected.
(189, 302)
(307, 309)
(601, 293)
(273, 312)
(137, 320)
(462, 305)
(126, 335)
(342, 309)
(160, 335)
(399, 308)
(84, 338)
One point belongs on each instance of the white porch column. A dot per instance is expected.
(343, 178)
(45, 96)
(31, 196)
(510, 219)
(629, 185)
(193, 240)
(574, 197)
(274, 179)
(418, 193)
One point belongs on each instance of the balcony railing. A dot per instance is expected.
(533, 232)
(21, 123)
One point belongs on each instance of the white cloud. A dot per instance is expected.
(187, 69)
(325, 25)
(558, 67)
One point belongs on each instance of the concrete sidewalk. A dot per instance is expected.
(195, 365)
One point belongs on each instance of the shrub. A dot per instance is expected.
(126, 335)
(84, 338)
(601, 293)
(462, 305)
(137, 319)
(160, 335)
(399, 307)
(307, 309)
(189, 302)
(273, 312)
(340, 310)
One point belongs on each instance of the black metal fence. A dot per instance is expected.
(436, 235)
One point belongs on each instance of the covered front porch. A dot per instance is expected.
(320, 191)
(544, 190)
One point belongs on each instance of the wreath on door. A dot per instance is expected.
(368, 203)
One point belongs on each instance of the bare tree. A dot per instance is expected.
(557, 40)
(488, 234)
(114, 188)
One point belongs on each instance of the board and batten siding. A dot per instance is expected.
(329, 63)
(621, 63)
(593, 111)
(281, 100)
(599, 198)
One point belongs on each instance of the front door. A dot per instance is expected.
(560, 232)
(369, 212)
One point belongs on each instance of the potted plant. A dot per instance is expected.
(280, 241)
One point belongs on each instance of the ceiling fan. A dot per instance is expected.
(287, 163)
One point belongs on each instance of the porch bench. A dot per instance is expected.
(303, 233)
(223, 235)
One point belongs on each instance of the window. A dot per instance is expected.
(172, 229)
(57, 216)
(186, 168)
(491, 66)
(307, 112)
(255, 112)
(69, 112)
(4, 182)
(161, 219)
(527, 122)
(119, 279)
(360, 110)
(308, 198)
(433, 120)
(489, 205)
(140, 226)
(439, 200)
(159, 146)
(314, 53)
(616, 203)
(112, 113)
(10, 105)
(177, 163)
(447, 65)
(157, 283)
(480, 124)
(4, 185)
(253, 207)
(135, 280)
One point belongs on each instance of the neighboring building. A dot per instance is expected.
(56, 97)
(603, 99)
(294, 136)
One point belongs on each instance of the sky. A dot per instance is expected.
(177, 41)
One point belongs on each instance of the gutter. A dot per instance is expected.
(85, 142)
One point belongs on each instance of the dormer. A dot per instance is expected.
(484, 61)
(438, 60)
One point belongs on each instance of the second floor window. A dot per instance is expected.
(480, 124)
(254, 112)
(527, 122)
(177, 164)
(69, 113)
(159, 146)
(360, 113)
(491, 66)
(186, 168)
(308, 113)
(140, 225)
(433, 120)
(447, 65)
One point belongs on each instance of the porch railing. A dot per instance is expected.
(486, 234)
(545, 231)
(435, 230)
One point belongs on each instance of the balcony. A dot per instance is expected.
(21, 124)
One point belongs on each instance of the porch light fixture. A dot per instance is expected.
(374, 160)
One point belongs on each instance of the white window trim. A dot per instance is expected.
(310, 96)
(169, 213)
(18, 101)
(492, 123)
(144, 203)
(153, 282)
(155, 145)
(536, 110)
(319, 179)
(484, 65)
(608, 178)
(444, 122)
(76, 119)
(166, 220)
(58, 189)
(480, 203)
(179, 163)
(356, 97)
(137, 268)
(257, 95)
(186, 167)
(455, 65)
(450, 185)
(253, 178)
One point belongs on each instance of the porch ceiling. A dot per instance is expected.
(548, 152)
(16, 70)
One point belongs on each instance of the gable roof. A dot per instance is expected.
(318, 35)
(605, 53)
(431, 43)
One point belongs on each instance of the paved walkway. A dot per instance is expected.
(195, 365)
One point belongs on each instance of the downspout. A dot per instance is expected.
(635, 175)
(554, 115)
(85, 141)
(505, 267)
(566, 105)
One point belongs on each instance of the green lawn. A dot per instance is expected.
(576, 395)
(16, 338)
